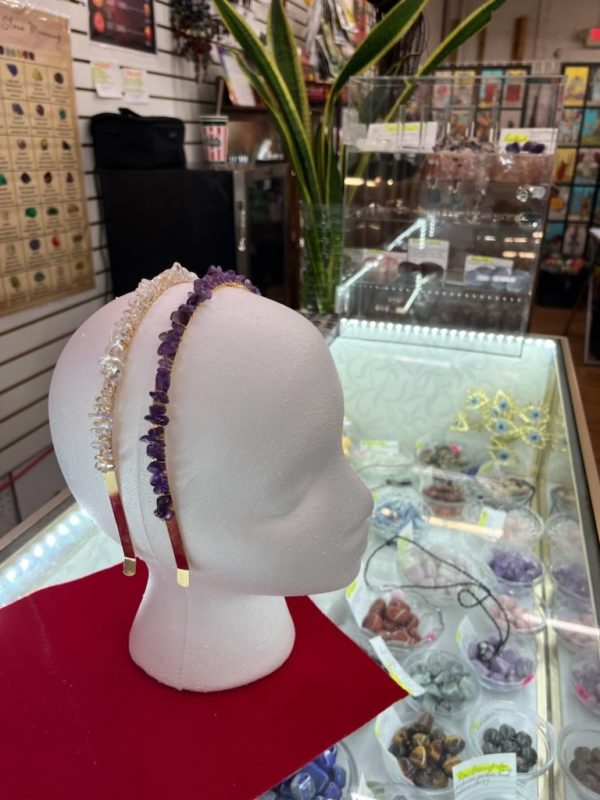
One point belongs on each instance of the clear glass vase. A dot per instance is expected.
(321, 244)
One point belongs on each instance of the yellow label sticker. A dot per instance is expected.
(478, 769)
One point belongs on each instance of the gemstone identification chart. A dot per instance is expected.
(45, 248)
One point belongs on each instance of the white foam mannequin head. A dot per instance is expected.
(266, 502)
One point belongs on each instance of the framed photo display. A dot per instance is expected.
(575, 196)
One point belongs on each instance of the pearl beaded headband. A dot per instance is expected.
(111, 366)
(215, 278)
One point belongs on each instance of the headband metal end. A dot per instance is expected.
(183, 577)
(129, 565)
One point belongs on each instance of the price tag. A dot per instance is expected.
(403, 545)
(383, 445)
(393, 137)
(490, 777)
(394, 669)
(491, 521)
(465, 631)
(475, 262)
(386, 725)
(434, 250)
(359, 600)
(545, 136)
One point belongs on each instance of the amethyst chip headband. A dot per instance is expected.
(111, 366)
(215, 278)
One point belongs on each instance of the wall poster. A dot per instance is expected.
(45, 250)
(126, 23)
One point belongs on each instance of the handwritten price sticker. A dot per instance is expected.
(490, 777)
(545, 136)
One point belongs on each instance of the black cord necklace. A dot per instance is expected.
(466, 596)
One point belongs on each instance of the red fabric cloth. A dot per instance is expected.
(80, 720)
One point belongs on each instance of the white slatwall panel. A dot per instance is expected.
(31, 340)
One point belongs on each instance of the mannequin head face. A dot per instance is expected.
(266, 501)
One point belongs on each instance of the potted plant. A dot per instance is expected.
(275, 74)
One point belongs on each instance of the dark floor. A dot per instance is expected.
(552, 321)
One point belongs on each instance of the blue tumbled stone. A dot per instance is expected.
(303, 786)
(327, 758)
(338, 775)
(284, 790)
(319, 776)
(332, 791)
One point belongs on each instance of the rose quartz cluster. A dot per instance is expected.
(521, 618)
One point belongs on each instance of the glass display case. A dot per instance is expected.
(446, 193)
(482, 570)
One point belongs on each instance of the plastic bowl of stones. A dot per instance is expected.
(570, 581)
(517, 570)
(376, 461)
(526, 616)
(451, 686)
(563, 499)
(564, 532)
(522, 526)
(442, 569)
(420, 750)
(500, 667)
(394, 510)
(579, 758)
(332, 774)
(585, 678)
(574, 625)
(447, 456)
(505, 727)
(444, 498)
(500, 490)
(404, 619)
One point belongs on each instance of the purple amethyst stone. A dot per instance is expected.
(167, 350)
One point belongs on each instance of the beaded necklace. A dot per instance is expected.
(170, 339)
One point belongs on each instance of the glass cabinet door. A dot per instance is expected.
(484, 527)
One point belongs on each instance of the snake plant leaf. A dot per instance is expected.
(258, 84)
(334, 192)
(262, 61)
(475, 22)
(282, 43)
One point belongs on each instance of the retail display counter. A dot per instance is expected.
(482, 572)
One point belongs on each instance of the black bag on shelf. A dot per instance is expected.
(130, 141)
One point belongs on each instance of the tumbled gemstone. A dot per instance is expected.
(156, 450)
(157, 419)
(163, 380)
(161, 397)
(168, 348)
(172, 335)
(160, 484)
(183, 314)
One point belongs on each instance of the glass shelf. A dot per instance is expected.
(436, 175)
